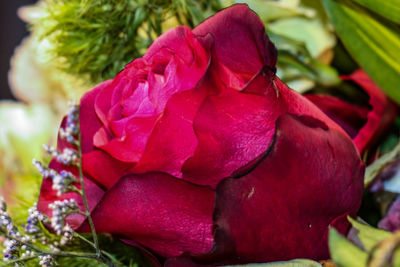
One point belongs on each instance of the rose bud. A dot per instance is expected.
(197, 148)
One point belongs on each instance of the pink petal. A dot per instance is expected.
(165, 214)
(129, 147)
(187, 64)
(282, 209)
(173, 139)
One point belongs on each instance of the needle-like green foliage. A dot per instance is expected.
(96, 38)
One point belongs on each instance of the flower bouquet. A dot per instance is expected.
(192, 148)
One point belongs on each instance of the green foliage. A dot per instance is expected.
(390, 9)
(368, 235)
(96, 38)
(292, 263)
(376, 247)
(303, 39)
(377, 166)
(344, 253)
(372, 40)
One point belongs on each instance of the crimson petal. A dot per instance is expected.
(246, 33)
(104, 169)
(165, 214)
(379, 118)
(350, 117)
(234, 127)
(279, 211)
(365, 127)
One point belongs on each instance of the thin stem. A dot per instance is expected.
(18, 260)
(44, 252)
(111, 257)
(85, 202)
(59, 254)
(84, 239)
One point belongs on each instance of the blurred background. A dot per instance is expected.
(12, 31)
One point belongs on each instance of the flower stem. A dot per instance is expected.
(111, 257)
(85, 202)
(51, 253)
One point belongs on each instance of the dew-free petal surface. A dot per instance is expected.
(282, 209)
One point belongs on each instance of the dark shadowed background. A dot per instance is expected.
(12, 31)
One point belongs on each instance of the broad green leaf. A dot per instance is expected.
(292, 263)
(344, 253)
(389, 9)
(369, 235)
(374, 43)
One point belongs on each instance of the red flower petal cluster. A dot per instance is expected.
(197, 147)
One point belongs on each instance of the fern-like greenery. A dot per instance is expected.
(94, 39)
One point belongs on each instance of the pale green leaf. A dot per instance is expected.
(377, 166)
(373, 42)
(292, 263)
(389, 9)
(344, 253)
(369, 235)
(273, 10)
(311, 32)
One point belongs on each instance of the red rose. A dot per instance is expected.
(198, 147)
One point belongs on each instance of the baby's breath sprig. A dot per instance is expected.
(33, 242)
(96, 38)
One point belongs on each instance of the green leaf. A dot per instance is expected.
(390, 9)
(369, 235)
(274, 10)
(378, 165)
(292, 263)
(344, 253)
(373, 42)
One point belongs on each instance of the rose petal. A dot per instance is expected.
(365, 127)
(246, 33)
(235, 127)
(104, 169)
(152, 259)
(188, 62)
(173, 139)
(165, 214)
(129, 147)
(350, 117)
(380, 117)
(88, 118)
(282, 209)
